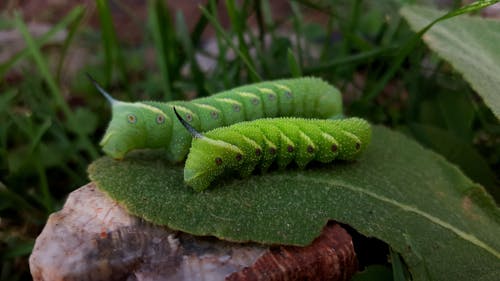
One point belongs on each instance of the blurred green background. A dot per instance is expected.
(51, 117)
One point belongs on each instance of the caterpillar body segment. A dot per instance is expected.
(151, 124)
(251, 145)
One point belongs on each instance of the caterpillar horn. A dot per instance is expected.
(188, 127)
(110, 99)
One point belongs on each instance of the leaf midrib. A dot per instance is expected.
(462, 234)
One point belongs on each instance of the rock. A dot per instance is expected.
(94, 238)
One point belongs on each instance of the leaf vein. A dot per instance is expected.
(462, 234)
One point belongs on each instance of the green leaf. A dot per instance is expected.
(469, 44)
(443, 225)
(398, 269)
(459, 152)
(407, 48)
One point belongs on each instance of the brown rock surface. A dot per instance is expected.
(93, 238)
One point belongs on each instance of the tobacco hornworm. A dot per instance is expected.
(246, 146)
(151, 124)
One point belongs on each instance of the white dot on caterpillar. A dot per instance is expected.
(236, 108)
(189, 117)
(288, 94)
(214, 114)
(131, 118)
(160, 119)
(271, 96)
(255, 101)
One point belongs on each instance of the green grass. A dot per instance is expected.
(50, 126)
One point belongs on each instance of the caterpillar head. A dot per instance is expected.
(207, 158)
(132, 126)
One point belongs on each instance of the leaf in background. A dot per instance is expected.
(458, 113)
(84, 121)
(399, 272)
(457, 151)
(470, 44)
(443, 225)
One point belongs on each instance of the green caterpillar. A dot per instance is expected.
(151, 124)
(246, 146)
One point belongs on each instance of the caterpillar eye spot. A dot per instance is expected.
(358, 146)
(214, 114)
(160, 119)
(255, 101)
(310, 149)
(236, 108)
(272, 150)
(131, 118)
(334, 148)
(189, 117)
(288, 94)
(271, 97)
(218, 161)
(239, 157)
(289, 148)
(258, 152)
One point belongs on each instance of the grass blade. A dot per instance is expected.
(71, 17)
(183, 33)
(111, 48)
(107, 38)
(253, 73)
(237, 19)
(293, 64)
(297, 26)
(159, 21)
(352, 59)
(42, 65)
(200, 26)
(14, 199)
(49, 79)
(74, 25)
